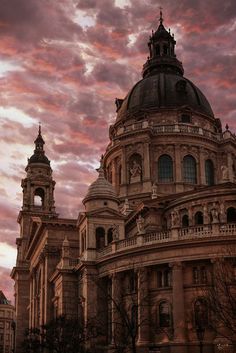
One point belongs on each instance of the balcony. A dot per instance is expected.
(172, 235)
(164, 129)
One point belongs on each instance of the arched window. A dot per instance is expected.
(231, 215)
(83, 241)
(198, 218)
(165, 169)
(185, 221)
(109, 235)
(190, 169)
(185, 118)
(100, 238)
(164, 314)
(167, 278)
(201, 313)
(209, 172)
(39, 197)
(158, 49)
(165, 49)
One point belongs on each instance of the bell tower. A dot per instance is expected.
(38, 186)
(38, 206)
(38, 195)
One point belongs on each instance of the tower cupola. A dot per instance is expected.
(39, 154)
(38, 186)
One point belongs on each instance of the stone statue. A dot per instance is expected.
(214, 215)
(224, 172)
(140, 225)
(126, 208)
(205, 214)
(154, 191)
(222, 213)
(115, 232)
(174, 218)
(135, 172)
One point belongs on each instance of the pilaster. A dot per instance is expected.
(143, 307)
(178, 307)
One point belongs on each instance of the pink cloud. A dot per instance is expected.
(68, 75)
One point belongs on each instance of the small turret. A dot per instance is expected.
(101, 193)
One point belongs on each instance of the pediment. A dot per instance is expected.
(105, 213)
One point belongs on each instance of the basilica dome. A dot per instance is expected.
(164, 90)
(163, 85)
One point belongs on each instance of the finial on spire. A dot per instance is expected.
(39, 128)
(161, 19)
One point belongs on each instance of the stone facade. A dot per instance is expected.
(7, 325)
(162, 209)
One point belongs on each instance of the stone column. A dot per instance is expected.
(146, 162)
(90, 294)
(116, 308)
(178, 170)
(143, 307)
(114, 174)
(179, 324)
(202, 167)
(230, 166)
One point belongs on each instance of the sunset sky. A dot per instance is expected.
(63, 63)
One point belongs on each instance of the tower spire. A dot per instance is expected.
(161, 19)
(39, 129)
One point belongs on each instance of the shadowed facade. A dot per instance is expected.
(160, 213)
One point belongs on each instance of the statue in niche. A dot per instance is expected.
(174, 218)
(214, 215)
(140, 225)
(135, 172)
(154, 191)
(115, 232)
(224, 172)
(222, 213)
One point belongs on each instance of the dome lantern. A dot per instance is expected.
(162, 53)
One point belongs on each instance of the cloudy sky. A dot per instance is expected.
(62, 63)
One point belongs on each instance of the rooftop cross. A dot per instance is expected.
(161, 19)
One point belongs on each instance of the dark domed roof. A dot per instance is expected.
(38, 158)
(101, 188)
(164, 90)
(163, 85)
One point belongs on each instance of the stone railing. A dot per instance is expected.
(174, 234)
(228, 229)
(197, 231)
(171, 128)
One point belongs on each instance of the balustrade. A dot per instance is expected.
(195, 232)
